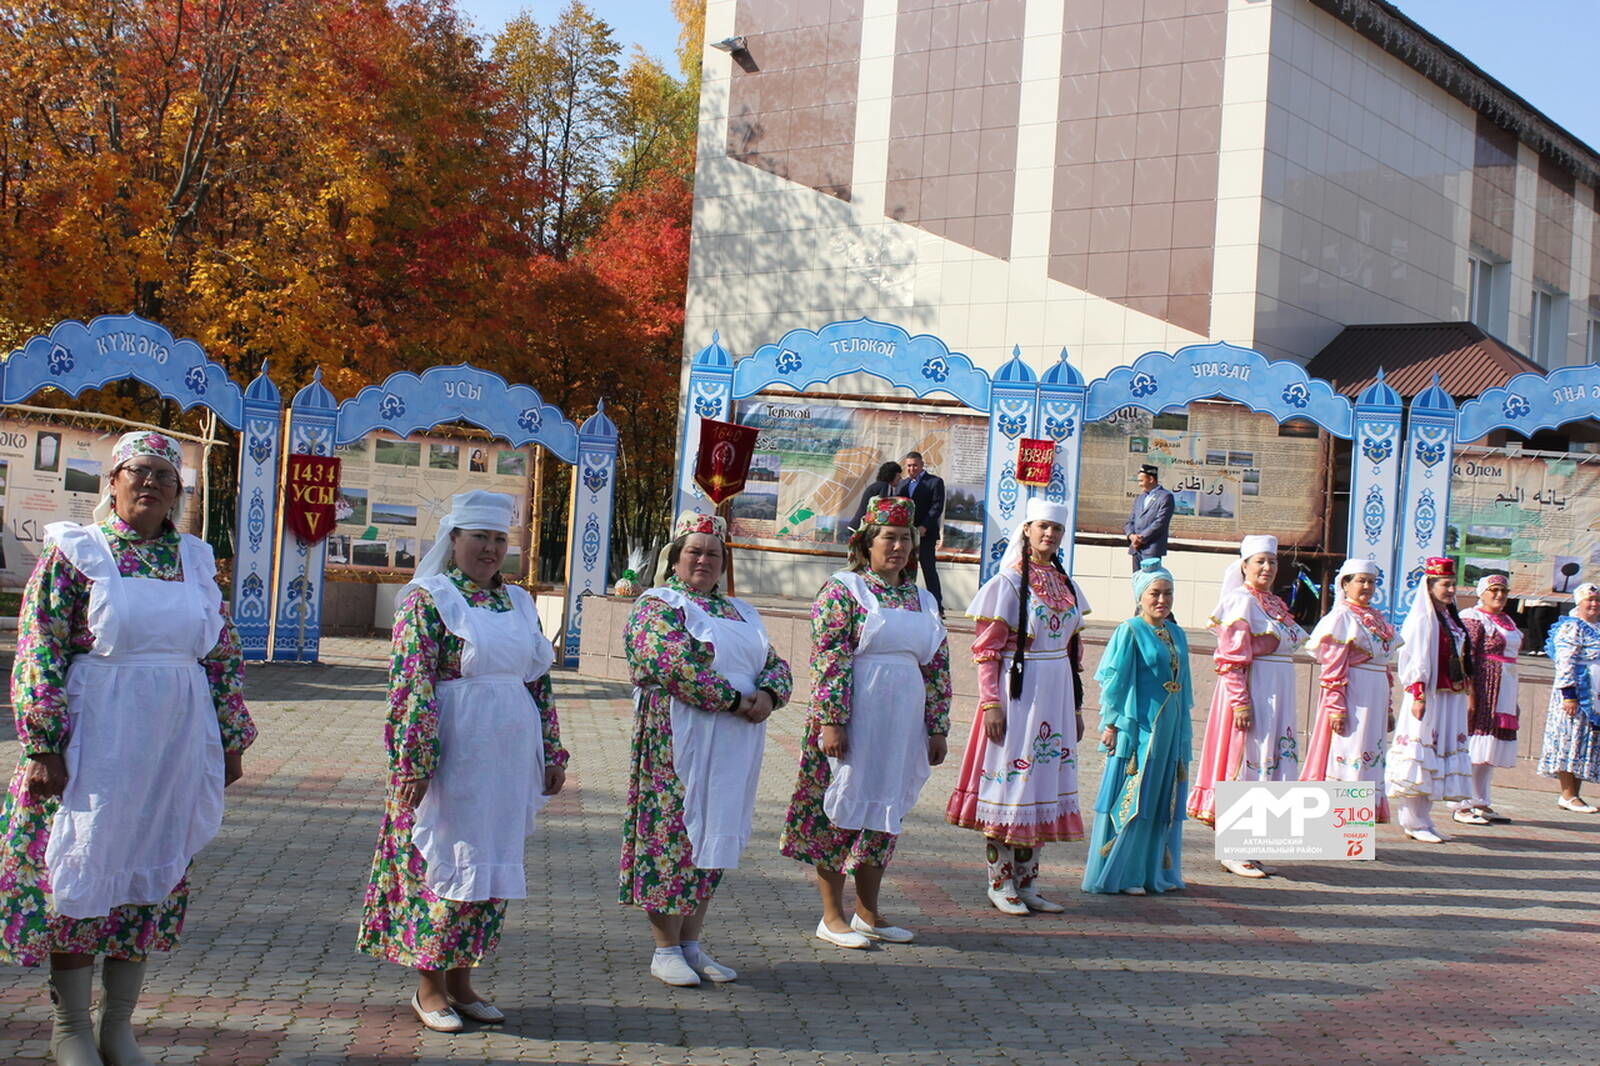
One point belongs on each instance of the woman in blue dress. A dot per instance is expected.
(1145, 700)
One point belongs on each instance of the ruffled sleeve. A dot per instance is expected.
(543, 694)
(662, 654)
(52, 628)
(836, 619)
(412, 731)
(776, 678)
(224, 668)
(1234, 654)
(1118, 675)
(995, 610)
(1565, 643)
(936, 690)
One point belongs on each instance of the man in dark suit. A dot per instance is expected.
(1146, 526)
(927, 494)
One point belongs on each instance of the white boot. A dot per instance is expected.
(72, 1031)
(1002, 880)
(122, 982)
(1027, 862)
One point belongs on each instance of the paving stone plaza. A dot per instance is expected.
(1483, 950)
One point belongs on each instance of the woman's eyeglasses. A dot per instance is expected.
(140, 475)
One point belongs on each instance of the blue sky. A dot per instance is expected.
(1542, 49)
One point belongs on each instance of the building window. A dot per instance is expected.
(1547, 329)
(1489, 294)
(1591, 343)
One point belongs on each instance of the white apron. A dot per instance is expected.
(144, 755)
(717, 754)
(886, 750)
(488, 789)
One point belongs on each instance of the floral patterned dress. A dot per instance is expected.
(402, 919)
(53, 629)
(657, 870)
(836, 619)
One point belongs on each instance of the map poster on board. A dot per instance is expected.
(393, 493)
(1535, 518)
(813, 461)
(55, 473)
(1231, 471)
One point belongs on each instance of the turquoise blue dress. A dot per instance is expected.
(1145, 692)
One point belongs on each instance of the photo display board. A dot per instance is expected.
(393, 494)
(1533, 518)
(1232, 472)
(813, 461)
(56, 473)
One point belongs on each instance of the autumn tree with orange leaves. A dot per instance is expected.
(362, 186)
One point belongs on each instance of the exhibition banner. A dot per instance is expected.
(1533, 517)
(1231, 472)
(55, 473)
(1310, 820)
(393, 492)
(813, 461)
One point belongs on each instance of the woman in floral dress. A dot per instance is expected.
(467, 775)
(705, 680)
(1492, 731)
(1427, 758)
(1250, 735)
(1571, 752)
(1018, 784)
(1355, 646)
(122, 634)
(880, 715)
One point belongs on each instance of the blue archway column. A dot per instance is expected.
(1062, 398)
(1375, 513)
(255, 514)
(1013, 414)
(594, 484)
(1430, 440)
(710, 396)
(297, 633)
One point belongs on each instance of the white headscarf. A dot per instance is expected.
(143, 442)
(1037, 509)
(468, 510)
(1233, 577)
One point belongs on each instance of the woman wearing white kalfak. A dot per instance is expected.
(474, 753)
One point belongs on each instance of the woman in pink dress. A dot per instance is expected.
(1250, 735)
(1355, 646)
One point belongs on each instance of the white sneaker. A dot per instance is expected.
(851, 939)
(673, 969)
(893, 934)
(714, 971)
(1006, 900)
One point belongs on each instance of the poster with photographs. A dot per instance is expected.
(1231, 472)
(1534, 517)
(813, 461)
(393, 492)
(51, 473)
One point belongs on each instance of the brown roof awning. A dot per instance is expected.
(1467, 359)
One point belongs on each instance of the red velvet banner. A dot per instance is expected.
(309, 490)
(724, 459)
(1036, 459)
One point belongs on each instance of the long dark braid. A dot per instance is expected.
(1017, 661)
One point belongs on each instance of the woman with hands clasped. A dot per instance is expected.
(1145, 701)
(705, 680)
(1355, 648)
(1571, 752)
(880, 713)
(474, 753)
(1018, 784)
(1250, 735)
(1427, 758)
(128, 692)
(1492, 730)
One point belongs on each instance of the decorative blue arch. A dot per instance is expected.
(805, 357)
(1157, 381)
(111, 348)
(408, 403)
(1530, 402)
